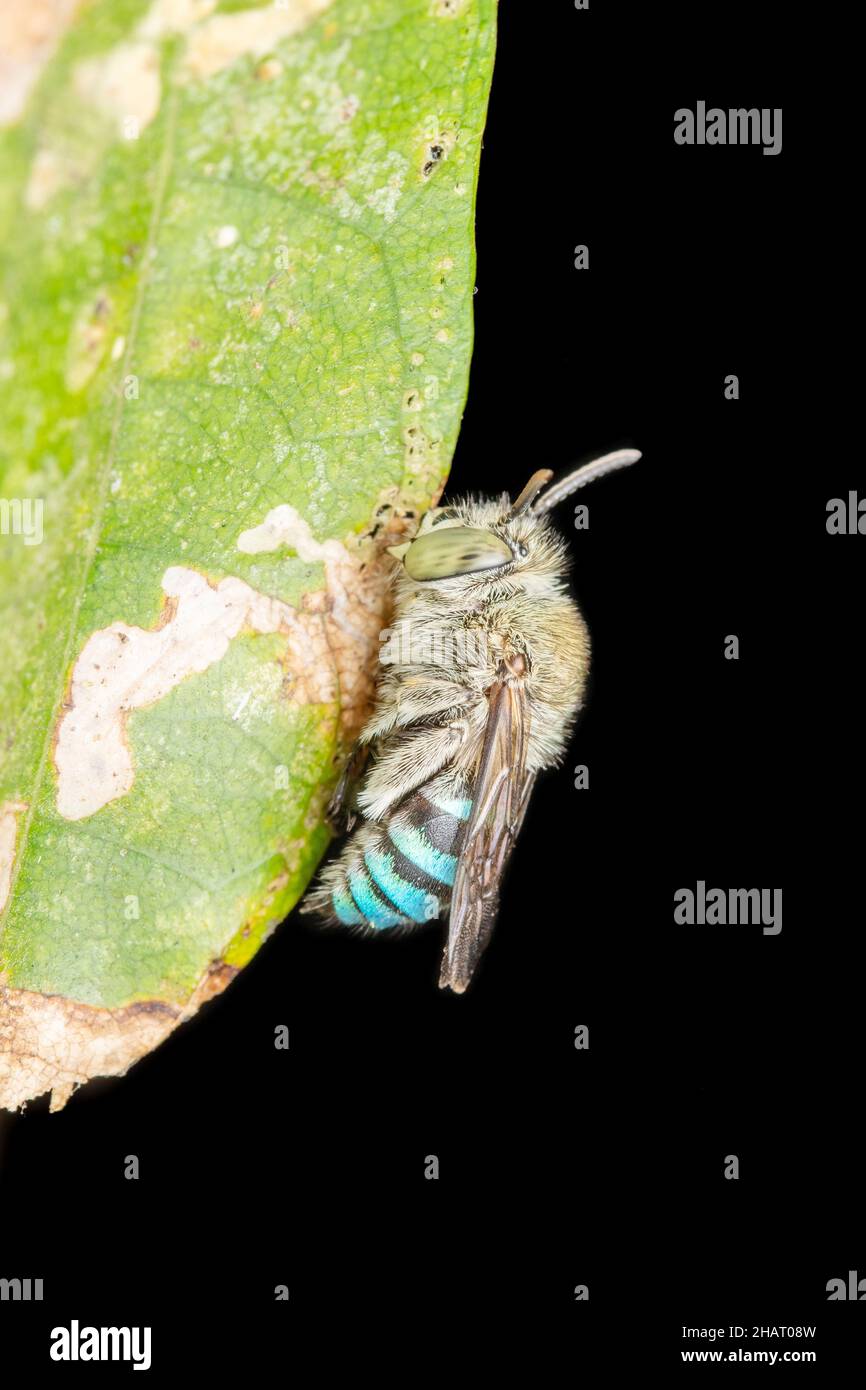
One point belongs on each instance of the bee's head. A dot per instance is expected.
(498, 538)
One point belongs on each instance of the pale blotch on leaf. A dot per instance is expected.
(9, 813)
(270, 69)
(330, 645)
(226, 236)
(124, 85)
(88, 341)
(174, 17)
(384, 200)
(283, 526)
(126, 668)
(50, 172)
(29, 34)
(223, 38)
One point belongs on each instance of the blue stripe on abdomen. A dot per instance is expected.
(457, 806)
(345, 909)
(415, 902)
(412, 842)
(376, 911)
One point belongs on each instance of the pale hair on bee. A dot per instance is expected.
(482, 697)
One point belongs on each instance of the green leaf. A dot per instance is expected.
(235, 330)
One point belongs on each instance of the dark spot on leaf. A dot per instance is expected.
(434, 154)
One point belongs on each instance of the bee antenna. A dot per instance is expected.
(531, 491)
(579, 477)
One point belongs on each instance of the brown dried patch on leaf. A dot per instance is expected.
(335, 641)
(358, 597)
(48, 1043)
(218, 975)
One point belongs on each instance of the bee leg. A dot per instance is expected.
(342, 808)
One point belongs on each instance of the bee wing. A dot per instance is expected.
(500, 797)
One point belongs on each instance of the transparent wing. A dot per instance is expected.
(500, 797)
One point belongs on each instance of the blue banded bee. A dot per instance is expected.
(481, 697)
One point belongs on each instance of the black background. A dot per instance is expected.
(562, 1167)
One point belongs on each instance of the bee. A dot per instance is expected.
(482, 676)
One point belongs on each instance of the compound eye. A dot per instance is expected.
(455, 550)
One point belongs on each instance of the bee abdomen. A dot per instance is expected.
(400, 872)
